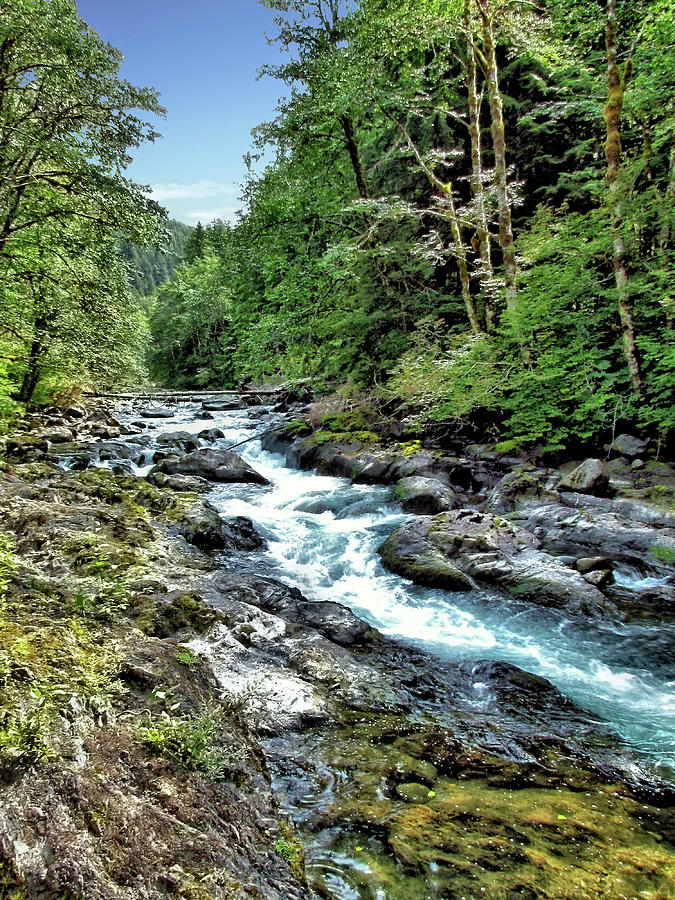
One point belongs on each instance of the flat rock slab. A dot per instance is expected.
(157, 412)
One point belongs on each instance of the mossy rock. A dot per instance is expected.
(413, 792)
(344, 437)
(164, 615)
(94, 555)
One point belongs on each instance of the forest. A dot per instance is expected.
(465, 205)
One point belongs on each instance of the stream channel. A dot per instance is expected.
(323, 534)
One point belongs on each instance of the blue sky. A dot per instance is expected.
(202, 57)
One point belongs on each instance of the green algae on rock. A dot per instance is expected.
(409, 815)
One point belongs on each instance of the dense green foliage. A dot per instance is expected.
(470, 206)
(67, 124)
(376, 246)
(150, 266)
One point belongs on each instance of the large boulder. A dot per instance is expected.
(202, 525)
(585, 526)
(409, 552)
(211, 435)
(181, 440)
(214, 465)
(458, 549)
(588, 478)
(424, 496)
(628, 445)
(513, 489)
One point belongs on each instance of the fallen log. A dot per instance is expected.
(184, 395)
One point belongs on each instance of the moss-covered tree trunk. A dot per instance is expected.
(477, 177)
(668, 227)
(506, 241)
(460, 254)
(616, 92)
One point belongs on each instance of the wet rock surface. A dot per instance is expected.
(214, 465)
(457, 549)
(123, 774)
(425, 496)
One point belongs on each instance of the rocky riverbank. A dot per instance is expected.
(161, 699)
(552, 536)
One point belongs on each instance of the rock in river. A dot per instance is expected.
(214, 465)
(157, 412)
(202, 525)
(455, 549)
(425, 496)
(182, 440)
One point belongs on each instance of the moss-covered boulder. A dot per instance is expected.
(424, 496)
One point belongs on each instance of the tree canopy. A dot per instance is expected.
(463, 210)
(67, 125)
(467, 205)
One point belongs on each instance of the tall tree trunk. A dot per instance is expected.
(32, 373)
(459, 247)
(354, 155)
(460, 256)
(667, 228)
(506, 241)
(616, 92)
(477, 183)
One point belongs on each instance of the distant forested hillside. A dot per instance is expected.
(151, 266)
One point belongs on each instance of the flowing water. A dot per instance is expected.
(323, 535)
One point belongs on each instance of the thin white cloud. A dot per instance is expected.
(197, 190)
(227, 212)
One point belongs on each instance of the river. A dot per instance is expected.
(323, 534)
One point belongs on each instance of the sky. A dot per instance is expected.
(202, 57)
